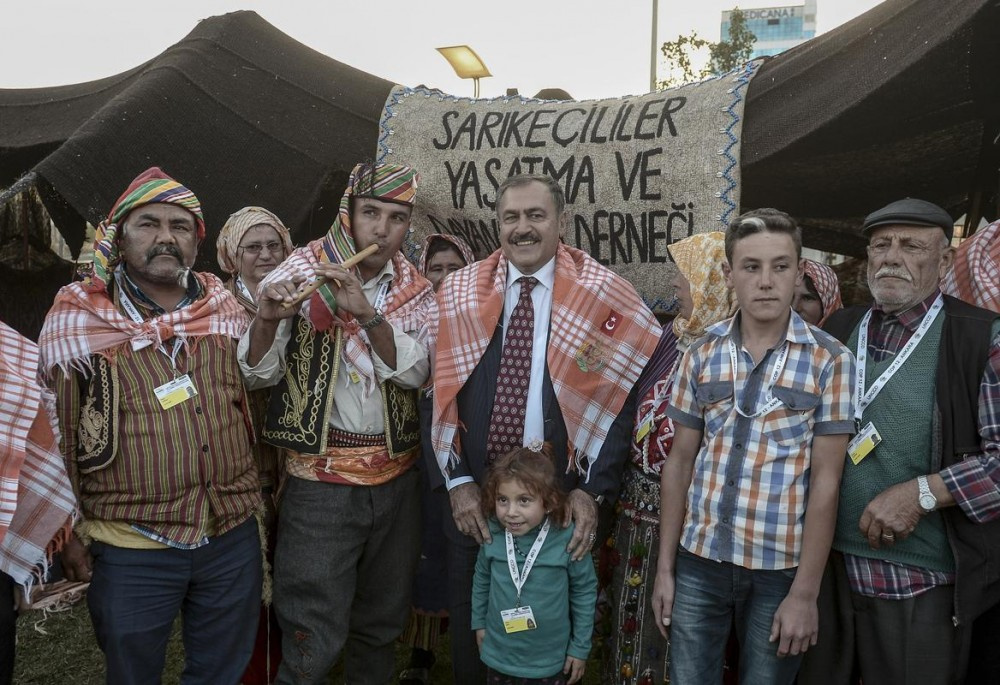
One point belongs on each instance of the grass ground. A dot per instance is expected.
(66, 652)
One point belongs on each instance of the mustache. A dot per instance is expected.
(894, 272)
(522, 236)
(158, 250)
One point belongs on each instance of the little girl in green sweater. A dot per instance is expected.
(532, 605)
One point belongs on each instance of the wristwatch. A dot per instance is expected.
(928, 502)
(374, 321)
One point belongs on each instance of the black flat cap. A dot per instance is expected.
(910, 212)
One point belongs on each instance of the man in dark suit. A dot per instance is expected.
(537, 343)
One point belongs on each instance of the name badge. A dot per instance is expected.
(644, 427)
(518, 620)
(863, 443)
(181, 389)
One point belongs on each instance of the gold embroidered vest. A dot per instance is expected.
(302, 399)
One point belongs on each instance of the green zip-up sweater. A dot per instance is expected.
(562, 594)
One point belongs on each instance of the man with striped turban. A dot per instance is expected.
(346, 367)
(156, 438)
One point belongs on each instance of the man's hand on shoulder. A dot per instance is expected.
(466, 509)
(581, 509)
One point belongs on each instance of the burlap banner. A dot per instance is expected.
(639, 172)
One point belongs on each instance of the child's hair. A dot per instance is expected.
(536, 471)
(765, 220)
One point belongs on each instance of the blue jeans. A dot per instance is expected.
(135, 595)
(708, 595)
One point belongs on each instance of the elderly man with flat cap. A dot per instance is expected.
(915, 549)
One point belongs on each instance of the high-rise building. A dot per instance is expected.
(777, 28)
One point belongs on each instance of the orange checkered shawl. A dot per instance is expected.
(600, 337)
(83, 322)
(37, 507)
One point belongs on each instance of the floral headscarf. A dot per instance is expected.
(699, 258)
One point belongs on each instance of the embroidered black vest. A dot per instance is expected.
(302, 399)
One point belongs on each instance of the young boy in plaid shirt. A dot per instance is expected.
(763, 413)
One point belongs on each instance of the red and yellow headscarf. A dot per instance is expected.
(827, 285)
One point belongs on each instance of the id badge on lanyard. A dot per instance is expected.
(521, 618)
(868, 437)
(177, 390)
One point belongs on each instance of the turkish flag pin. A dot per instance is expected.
(613, 320)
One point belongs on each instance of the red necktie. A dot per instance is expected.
(511, 399)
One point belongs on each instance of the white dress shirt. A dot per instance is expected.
(541, 300)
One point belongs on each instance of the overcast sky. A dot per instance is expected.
(591, 48)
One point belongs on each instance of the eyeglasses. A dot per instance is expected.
(273, 247)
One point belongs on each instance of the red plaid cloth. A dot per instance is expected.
(37, 506)
(975, 275)
(83, 323)
(409, 306)
(827, 287)
(600, 338)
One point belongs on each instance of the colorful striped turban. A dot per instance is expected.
(150, 187)
(385, 182)
(975, 275)
(827, 285)
(699, 258)
(236, 227)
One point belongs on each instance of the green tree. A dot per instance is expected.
(723, 56)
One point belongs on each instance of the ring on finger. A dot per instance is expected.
(888, 535)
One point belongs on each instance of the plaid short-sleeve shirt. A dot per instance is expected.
(747, 500)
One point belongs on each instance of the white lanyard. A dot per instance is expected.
(862, 398)
(383, 293)
(529, 561)
(243, 288)
(134, 314)
(772, 402)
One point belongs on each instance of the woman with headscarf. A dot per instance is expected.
(441, 255)
(818, 295)
(636, 653)
(253, 241)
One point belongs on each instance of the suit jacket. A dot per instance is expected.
(475, 407)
